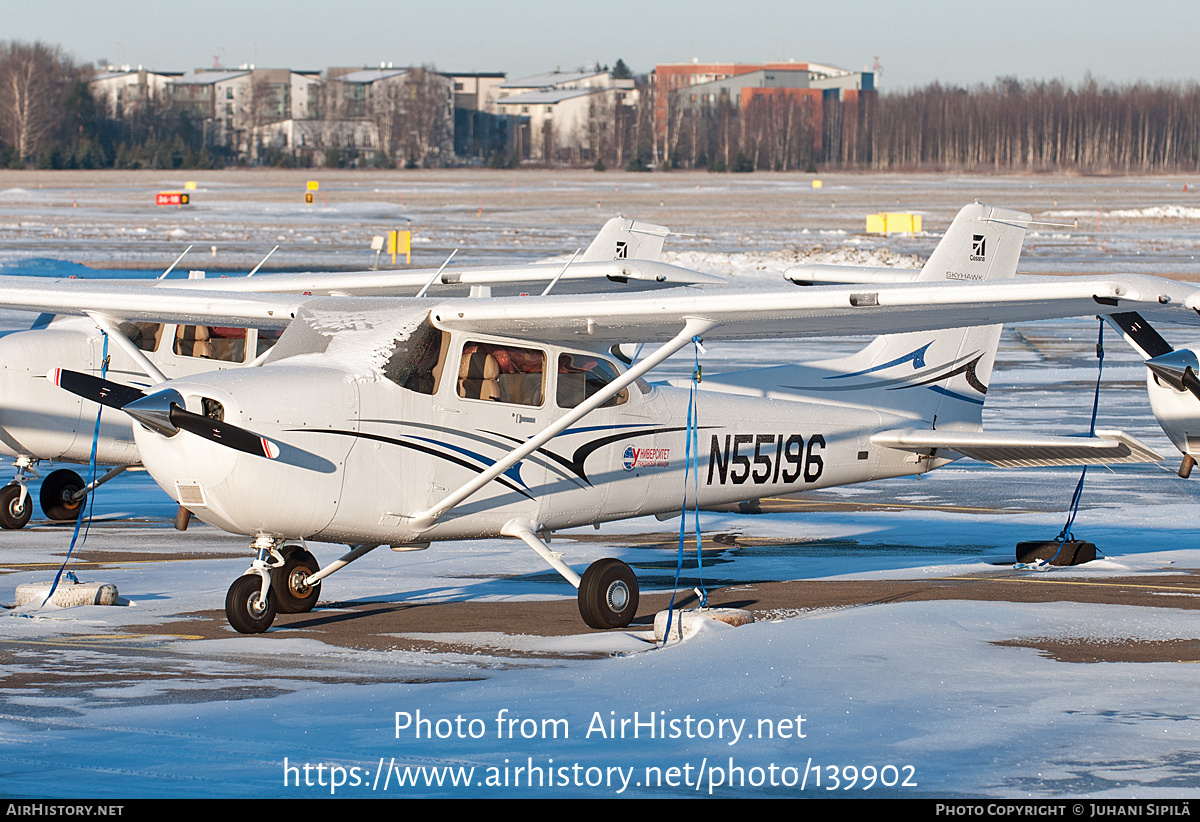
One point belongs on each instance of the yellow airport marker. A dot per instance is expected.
(400, 242)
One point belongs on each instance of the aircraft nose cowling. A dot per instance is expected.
(290, 489)
(1172, 386)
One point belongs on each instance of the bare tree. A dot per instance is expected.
(428, 116)
(386, 110)
(32, 80)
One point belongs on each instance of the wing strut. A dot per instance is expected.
(693, 327)
(436, 274)
(558, 276)
(115, 334)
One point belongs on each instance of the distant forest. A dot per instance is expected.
(1009, 125)
(48, 119)
(1029, 126)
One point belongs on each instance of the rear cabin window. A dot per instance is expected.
(581, 375)
(502, 373)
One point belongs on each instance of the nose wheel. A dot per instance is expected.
(246, 609)
(608, 594)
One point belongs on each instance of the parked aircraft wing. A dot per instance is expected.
(408, 282)
(822, 274)
(816, 312)
(734, 314)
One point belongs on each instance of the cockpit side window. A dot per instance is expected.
(417, 362)
(582, 375)
(502, 373)
(145, 336)
(211, 342)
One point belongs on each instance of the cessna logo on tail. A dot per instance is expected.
(978, 248)
(622, 250)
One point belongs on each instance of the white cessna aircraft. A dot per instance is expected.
(39, 422)
(402, 423)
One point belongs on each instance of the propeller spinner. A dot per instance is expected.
(1178, 368)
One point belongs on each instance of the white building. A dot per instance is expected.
(234, 104)
(412, 109)
(219, 99)
(120, 90)
(477, 91)
(308, 140)
(562, 107)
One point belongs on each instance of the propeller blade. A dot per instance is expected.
(223, 433)
(1141, 334)
(163, 412)
(105, 392)
(1191, 382)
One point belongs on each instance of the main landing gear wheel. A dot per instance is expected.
(608, 594)
(15, 507)
(289, 582)
(244, 608)
(58, 495)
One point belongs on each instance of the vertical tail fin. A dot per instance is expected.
(934, 378)
(941, 377)
(624, 239)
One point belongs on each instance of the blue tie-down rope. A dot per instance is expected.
(690, 466)
(1065, 534)
(91, 496)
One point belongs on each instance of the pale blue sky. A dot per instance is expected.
(916, 42)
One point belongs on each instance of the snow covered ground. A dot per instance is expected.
(915, 699)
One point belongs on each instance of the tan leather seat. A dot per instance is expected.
(192, 341)
(477, 377)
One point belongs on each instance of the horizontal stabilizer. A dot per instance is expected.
(1016, 451)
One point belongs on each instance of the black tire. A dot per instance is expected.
(608, 594)
(292, 596)
(242, 607)
(14, 512)
(56, 495)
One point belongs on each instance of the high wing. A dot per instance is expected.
(145, 302)
(408, 283)
(724, 313)
(827, 274)
(817, 312)
(624, 255)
